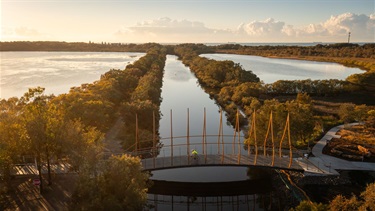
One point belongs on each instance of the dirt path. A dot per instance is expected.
(112, 144)
(25, 195)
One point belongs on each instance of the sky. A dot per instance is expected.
(193, 21)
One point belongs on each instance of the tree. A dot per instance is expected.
(366, 202)
(302, 122)
(35, 123)
(121, 185)
(83, 145)
(369, 198)
(346, 112)
(310, 206)
(50, 134)
(340, 203)
(360, 112)
(303, 98)
(11, 135)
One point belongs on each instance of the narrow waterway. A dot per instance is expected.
(195, 188)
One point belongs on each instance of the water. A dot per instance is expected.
(56, 71)
(270, 70)
(197, 188)
(181, 91)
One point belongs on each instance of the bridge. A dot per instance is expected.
(218, 149)
(184, 161)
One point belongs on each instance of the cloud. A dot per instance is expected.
(168, 30)
(361, 26)
(22, 33)
(262, 28)
(335, 29)
(26, 32)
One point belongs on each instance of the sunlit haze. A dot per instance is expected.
(179, 21)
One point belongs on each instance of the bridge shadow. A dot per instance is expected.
(197, 189)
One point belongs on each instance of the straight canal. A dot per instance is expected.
(200, 188)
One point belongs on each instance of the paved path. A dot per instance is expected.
(329, 164)
(30, 169)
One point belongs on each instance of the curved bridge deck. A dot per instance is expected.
(159, 163)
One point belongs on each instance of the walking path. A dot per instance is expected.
(329, 164)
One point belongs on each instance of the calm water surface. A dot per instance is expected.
(181, 91)
(270, 70)
(56, 71)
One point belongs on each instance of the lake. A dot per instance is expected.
(270, 70)
(56, 71)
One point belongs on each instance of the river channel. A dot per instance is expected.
(198, 188)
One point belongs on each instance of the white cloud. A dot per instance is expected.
(362, 27)
(262, 28)
(168, 30)
(334, 29)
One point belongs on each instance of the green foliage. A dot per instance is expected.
(368, 197)
(303, 98)
(36, 125)
(310, 206)
(12, 135)
(302, 122)
(76, 46)
(340, 203)
(348, 112)
(342, 50)
(145, 99)
(120, 185)
(329, 87)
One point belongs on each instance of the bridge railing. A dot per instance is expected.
(221, 146)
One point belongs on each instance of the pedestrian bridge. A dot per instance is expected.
(227, 152)
(184, 161)
(217, 149)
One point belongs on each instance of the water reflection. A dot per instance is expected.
(270, 70)
(199, 188)
(56, 71)
(214, 203)
(251, 194)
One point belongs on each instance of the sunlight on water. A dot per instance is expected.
(270, 70)
(56, 71)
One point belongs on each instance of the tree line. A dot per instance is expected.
(74, 46)
(348, 50)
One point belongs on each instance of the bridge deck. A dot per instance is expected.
(218, 160)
